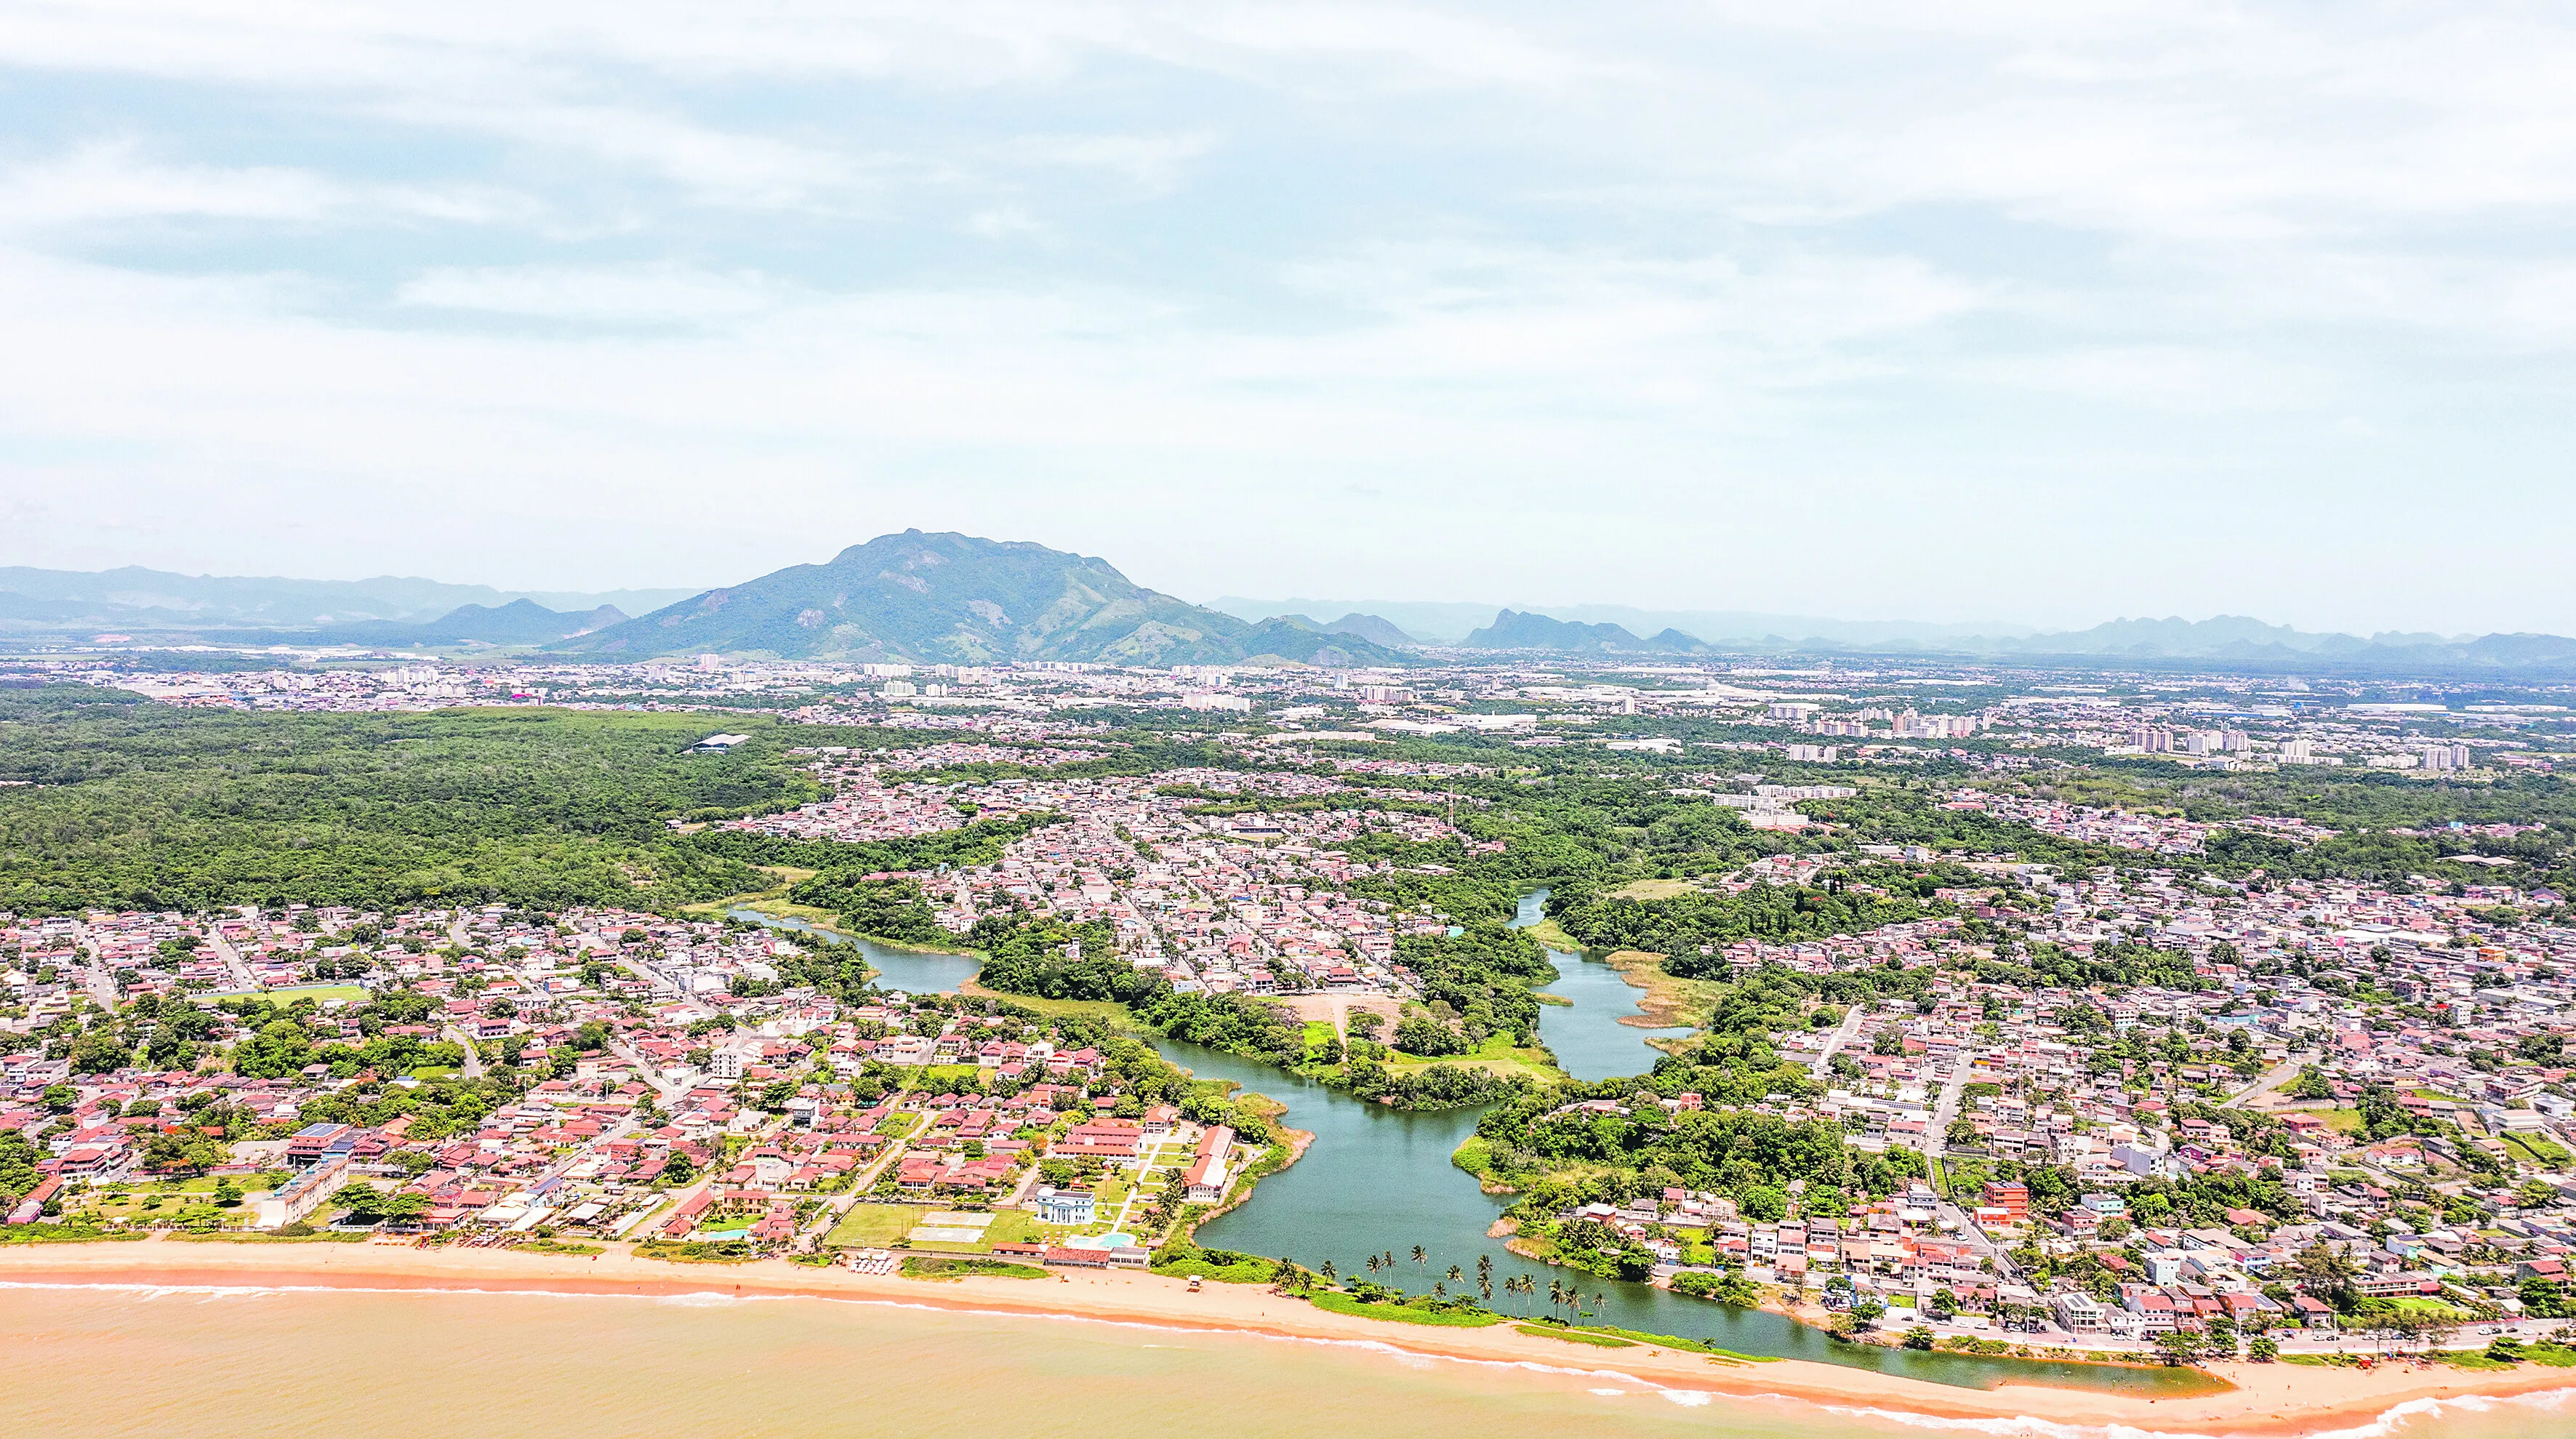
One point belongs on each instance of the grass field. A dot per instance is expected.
(2535, 1150)
(1009, 1226)
(874, 1226)
(937, 1078)
(1667, 1000)
(1399, 1314)
(879, 1226)
(1496, 1055)
(315, 992)
(1108, 1011)
(1654, 889)
(937, 1266)
(1548, 932)
(1576, 1336)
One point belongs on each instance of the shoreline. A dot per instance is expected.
(2267, 1399)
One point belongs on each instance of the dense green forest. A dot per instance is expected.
(125, 804)
(1685, 924)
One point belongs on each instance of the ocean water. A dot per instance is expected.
(100, 1362)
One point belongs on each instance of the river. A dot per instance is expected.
(1378, 1180)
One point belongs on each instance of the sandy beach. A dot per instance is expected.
(2267, 1399)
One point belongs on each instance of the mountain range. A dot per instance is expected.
(957, 599)
(932, 598)
(520, 622)
(1449, 623)
(1514, 630)
(2230, 640)
(158, 601)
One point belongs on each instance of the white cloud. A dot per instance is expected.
(1535, 278)
(633, 295)
(112, 181)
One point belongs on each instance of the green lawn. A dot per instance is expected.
(235, 1236)
(933, 1266)
(1399, 1314)
(2536, 1150)
(315, 992)
(874, 1226)
(1576, 1336)
(1108, 1011)
(1496, 1055)
(1009, 1226)
(1548, 932)
(1654, 889)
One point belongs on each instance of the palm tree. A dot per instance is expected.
(1417, 1254)
(1372, 1264)
(1329, 1271)
(1456, 1274)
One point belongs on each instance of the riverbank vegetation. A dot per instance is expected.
(1482, 979)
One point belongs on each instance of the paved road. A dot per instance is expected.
(1946, 1108)
(667, 1093)
(232, 961)
(1841, 1036)
(100, 984)
(473, 1057)
(2273, 1078)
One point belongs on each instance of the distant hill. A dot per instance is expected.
(1420, 622)
(1518, 630)
(1373, 629)
(950, 598)
(140, 599)
(1450, 623)
(520, 622)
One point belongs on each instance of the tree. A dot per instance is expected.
(2264, 1349)
(2328, 1273)
(2178, 1346)
(677, 1167)
(99, 1051)
(18, 1172)
(369, 1205)
(185, 1152)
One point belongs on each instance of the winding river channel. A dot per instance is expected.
(1377, 1180)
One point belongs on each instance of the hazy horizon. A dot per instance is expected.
(2017, 310)
(1436, 621)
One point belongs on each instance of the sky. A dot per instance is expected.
(1971, 311)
